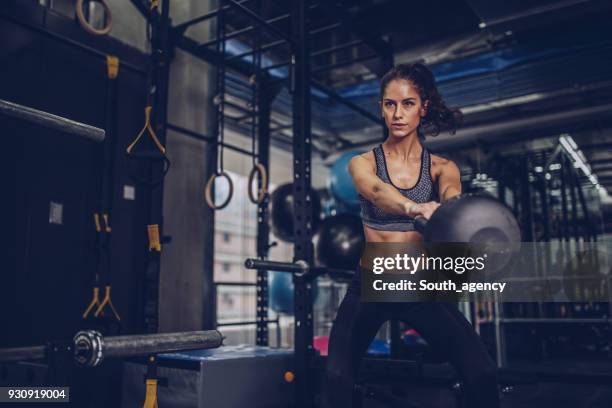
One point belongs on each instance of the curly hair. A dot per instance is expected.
(439, 116)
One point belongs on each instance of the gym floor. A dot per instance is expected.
(187, 227)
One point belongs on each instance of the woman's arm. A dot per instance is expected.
(449, 181)
(382, 195)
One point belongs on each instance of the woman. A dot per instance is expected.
(398, 181)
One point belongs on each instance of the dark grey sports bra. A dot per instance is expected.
(423, 191)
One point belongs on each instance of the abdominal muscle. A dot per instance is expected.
(373, 235)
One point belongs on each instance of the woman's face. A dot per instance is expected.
(402, 108)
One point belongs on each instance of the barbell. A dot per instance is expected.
(89, 347)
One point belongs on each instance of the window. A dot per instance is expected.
(226, 237)
(226, 267)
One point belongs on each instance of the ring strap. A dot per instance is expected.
(210, 201)
(260, 170)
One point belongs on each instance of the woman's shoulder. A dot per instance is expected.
(440, 161)
(364, 159)
(439, 164)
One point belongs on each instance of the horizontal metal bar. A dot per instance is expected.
(326, 67)
(255, 17)
(213, 13)
(199, 136)
(265, 47)
(350, 104)
(278, 65)
(90, 347)
(506, 320)
(336, 48)
(325, 28)
(281, 127)
(296, 267)
(248, 29)
(260, 264)
(49, 120)
(246, 284)
(343, 63)
(246, 323)
(244, 30)
(314, 54)
(9, 355)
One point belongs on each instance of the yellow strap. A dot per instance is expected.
(151, 394)
(107, 301)
(94, 301)
(107, 226)
(154, 242)
(112, 66)
(97, 222)
(147, 126)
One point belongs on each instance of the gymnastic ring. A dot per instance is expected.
(261, 193)
(208, 191)
(88, 27)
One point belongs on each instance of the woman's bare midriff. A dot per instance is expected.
(372, 235)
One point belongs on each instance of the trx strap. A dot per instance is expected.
(150, 131)
(151, 393)
(95, 302)
(151, 382)
(150, 156)
(107, 302)
(154, 155)
(102, 216)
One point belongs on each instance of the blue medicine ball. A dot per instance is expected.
(341, 183)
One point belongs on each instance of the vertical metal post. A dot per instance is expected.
(500, 334)
(543, 190)
(209, 289)
(574, 203)
(263, 229)
(526, 200)
(564, 209)
(160, 55)
(300, 74)
(588, 233)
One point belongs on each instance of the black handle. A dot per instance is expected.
(420, 223)
(151, 157)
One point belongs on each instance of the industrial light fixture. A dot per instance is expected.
(580, 161)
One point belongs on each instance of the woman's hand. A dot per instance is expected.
(424, 209)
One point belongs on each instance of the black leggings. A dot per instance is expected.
(441, 325)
